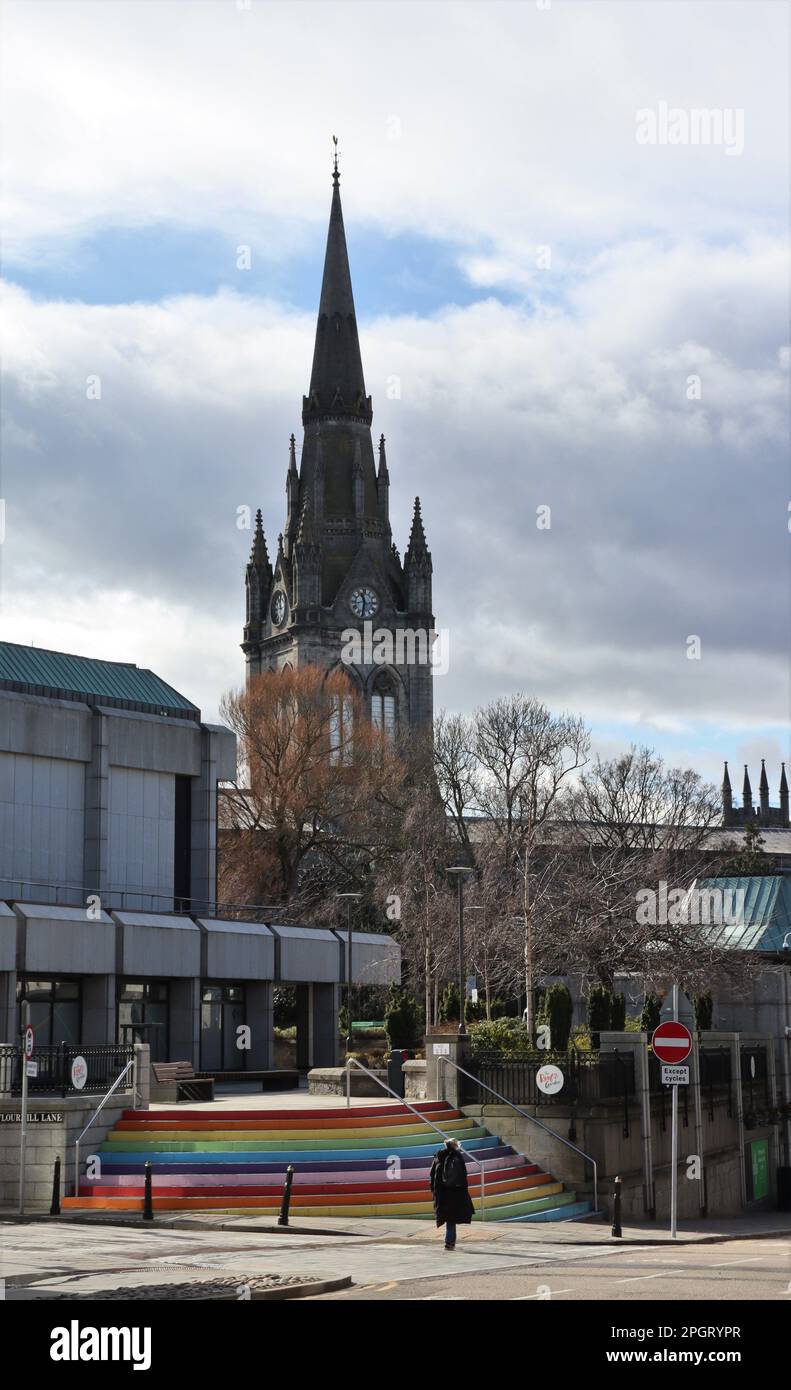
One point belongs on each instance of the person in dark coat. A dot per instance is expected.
(452, 1200)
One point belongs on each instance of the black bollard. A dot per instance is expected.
(282, 1220)
(148, 1205)
(616, 1209)
(55, 1206)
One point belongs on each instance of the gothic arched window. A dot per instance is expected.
(383, 706)
(341, 729)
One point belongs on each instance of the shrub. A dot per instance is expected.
(704, 1011)
(449, 1008)
(618, 1013)
(557, 1010)
(403, 1020)
(649, 1018)
(599, 1012)
(501, 1035)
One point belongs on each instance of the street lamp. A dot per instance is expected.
(485, 959)
(350, 897)
(459, 872)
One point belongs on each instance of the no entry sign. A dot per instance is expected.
(672, 1042)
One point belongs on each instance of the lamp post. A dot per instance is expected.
(485, 960)
(459, 872)
(350, 898)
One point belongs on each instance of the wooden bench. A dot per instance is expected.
(272, 1080)
(178, 1081)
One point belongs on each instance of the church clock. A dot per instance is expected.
(364, 603)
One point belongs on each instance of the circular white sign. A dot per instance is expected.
(79, 1073)
(29, 1041)
(549, 1079)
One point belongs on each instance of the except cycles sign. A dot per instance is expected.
(672, 1042)
(79, 1073)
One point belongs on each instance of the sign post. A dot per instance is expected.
(27, 1055)
(672, 1044)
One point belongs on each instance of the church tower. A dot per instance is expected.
(338, 594)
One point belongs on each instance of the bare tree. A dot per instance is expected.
(635, 801)
(315, 781)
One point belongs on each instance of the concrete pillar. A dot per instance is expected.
(99, 1009)
(203, 827)
(142, 1075)
(259, 1018)
(304, 1027)
(325, 1025)
(443, 1082)
(97, 811)
(185, 1021)
(8, 1009)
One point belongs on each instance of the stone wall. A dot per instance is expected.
(49, 1139)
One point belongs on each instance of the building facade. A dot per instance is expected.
(336, 570)
(108, 844)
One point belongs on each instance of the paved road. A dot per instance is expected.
(738, 1270)
(512, 1263)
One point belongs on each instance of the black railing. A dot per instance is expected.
(589, 1078)
(54, 1065)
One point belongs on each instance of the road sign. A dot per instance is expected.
(675, 1076)
(31, 1069)
(549, 1079)
(672, 1042)
(29, 1041)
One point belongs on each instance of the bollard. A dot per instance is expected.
(282, 1220)
(616, 1209)
(148, 1205)
(55, 1206)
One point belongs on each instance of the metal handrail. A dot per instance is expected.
(352, 1061)
(99, 1107)
(534, 1121)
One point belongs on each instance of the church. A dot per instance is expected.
(337, 570)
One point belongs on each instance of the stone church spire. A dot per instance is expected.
(336, 567)
(337, 385)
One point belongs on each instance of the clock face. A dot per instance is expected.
(364, 603)
(279, 608)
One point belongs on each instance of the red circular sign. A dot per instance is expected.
(672, 1042)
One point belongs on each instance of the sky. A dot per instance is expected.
(567, 300)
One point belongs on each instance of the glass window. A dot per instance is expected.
(383, 711)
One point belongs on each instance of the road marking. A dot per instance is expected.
(726, 1263)
(637, 1277)
(526, 1297)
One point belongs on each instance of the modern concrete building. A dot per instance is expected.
(108, 843)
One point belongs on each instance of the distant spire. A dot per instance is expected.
(305, 534)
(726, 781)
(259, 556)
(783, 782)
(336, 178)
(292, 455)
(383, 474)
(764, 783)
(783, 797)
(747, 792)
(337, 385)
(417, 536)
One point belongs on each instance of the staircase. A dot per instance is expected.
(343, 1161)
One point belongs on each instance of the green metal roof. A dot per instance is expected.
(766, 916)
(62, 675)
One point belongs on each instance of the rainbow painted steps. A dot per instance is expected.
(369, 1161)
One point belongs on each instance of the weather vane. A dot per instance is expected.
(335, 174)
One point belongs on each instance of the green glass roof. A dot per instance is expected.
(43, 672)
(766, 916)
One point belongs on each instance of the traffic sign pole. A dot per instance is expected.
(672, 1044)
(674, 1143)
(26, 1052)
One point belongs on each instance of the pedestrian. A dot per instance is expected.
(452, 1201)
